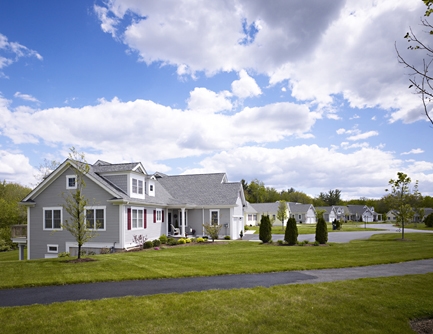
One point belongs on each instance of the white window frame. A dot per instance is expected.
(139, 222)
(94, 208)
(68, 177)
(158, 216)
(52, 251)
(210, 216)
(52, 209)
(250, 217)
(138, 186)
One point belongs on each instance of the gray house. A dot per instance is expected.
(130, 206)
(329, 214)
(303, 213)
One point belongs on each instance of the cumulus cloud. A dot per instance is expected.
(182, 133)
(302, 167)
(364, 135)
(246, 86)
(15, 167)
(320, 59)
(207, 101)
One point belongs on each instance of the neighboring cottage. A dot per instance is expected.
(329, 214)
(303, 213)
(130, 206)
(362, 213)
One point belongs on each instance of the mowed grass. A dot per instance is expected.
(220, 258)
(380, 305)
(311, 228)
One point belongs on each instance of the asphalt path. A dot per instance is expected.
(94, 291)
(341, 236)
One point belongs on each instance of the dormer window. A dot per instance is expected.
(71, 182)
(151, 187)
(137, 186)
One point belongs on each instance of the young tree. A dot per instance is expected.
(282, 212)
(291, 234)
(321, 231)
(265, 230)
(400, 199)
(212, 230)
(421, 79)
(76, 202)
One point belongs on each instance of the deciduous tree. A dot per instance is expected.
(400, 199)
(282, 212)
(212, 230)
(76, 202)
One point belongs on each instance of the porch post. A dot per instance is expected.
(182, 231)
(21, 251)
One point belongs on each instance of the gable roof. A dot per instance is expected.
(271, 208)
(359, 209)
(299, 208)
(202, 189)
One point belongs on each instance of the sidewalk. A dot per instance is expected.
(94, 291)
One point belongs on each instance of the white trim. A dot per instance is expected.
(52, 251)
(160, 215)
(122, 215)
(28, 233)
(67, 181)
(101, 207)
(142, 218)
(52, 208)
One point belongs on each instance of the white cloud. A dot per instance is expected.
(413, 151)
(15, 167)
(246, 86)
(181, 133)
(26, 97)
(204, 100)
(364, 135)
(12, 51)
(272, 38)
(302, 167)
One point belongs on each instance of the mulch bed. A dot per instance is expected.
(422, 326)
(83, 259)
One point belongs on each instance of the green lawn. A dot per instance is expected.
(418, 226)
(311, 228)
(216, 259)
(381, 305)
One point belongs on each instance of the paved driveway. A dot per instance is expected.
(342, 237)
(93, 291)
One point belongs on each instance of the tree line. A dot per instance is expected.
(257, 192)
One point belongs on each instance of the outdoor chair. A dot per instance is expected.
(174, 230)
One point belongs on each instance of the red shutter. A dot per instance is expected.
(145, 218)
(162, 215)
(154, 216)
(129, 219)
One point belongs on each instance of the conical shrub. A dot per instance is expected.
(291, 235)
(321, 231)
(265, 230)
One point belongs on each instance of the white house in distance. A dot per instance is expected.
(130, 205)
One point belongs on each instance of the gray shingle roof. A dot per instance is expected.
(124, 167)
(266, 208)
(201, 189)
(299, 208)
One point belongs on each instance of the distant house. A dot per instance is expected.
(303, 213)
(130, 205)
(330, 213)
(391, 215)
(250, 215)
(363, 213)
(270, 209)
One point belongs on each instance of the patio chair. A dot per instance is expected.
(174, 230)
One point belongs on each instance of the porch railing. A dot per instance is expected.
(19, 231)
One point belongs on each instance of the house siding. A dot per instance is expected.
(53, 197)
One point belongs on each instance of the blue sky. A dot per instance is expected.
(302, 94)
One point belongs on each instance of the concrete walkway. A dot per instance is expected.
(94, 291)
